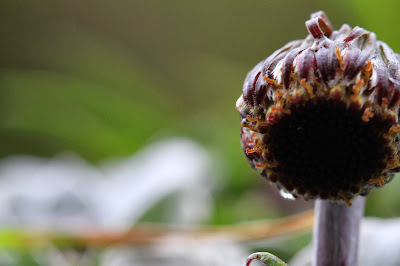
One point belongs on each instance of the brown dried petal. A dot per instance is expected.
(327, 62)
(355, 34)
(287, 66)
(306, 61)
(273, 60)
(250, 83)
(355, 60)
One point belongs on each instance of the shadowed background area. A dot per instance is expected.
(105, 80)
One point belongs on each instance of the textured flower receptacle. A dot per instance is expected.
(320, 115)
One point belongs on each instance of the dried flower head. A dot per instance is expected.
(320, 115)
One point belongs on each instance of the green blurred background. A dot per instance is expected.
(106, 78)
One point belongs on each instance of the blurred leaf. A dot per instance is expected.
(385, 201)
(10, 238)
(74, 114)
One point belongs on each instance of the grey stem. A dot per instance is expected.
(336, 232)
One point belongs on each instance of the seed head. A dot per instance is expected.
(320, 115)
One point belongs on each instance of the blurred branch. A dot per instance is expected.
(266, 258)
(158, 233)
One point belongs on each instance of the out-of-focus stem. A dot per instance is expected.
(336, 232)
(266, 258)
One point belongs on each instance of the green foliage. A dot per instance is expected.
(62, 112)
(266, 258)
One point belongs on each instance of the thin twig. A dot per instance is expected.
(153, 234)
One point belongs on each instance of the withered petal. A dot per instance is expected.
(355, 60)
(249, 84)
(306, 62)
(327, 62)
(356, 33)
(287, 66)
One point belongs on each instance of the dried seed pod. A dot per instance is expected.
(320, 115)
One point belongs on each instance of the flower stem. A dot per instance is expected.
(336, 232)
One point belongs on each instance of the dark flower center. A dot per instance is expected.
(324, 146)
